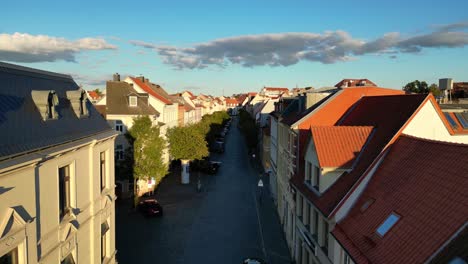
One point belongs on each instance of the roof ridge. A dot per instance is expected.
(434, 141)
(32, 70)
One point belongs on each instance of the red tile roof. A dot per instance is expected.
(339, 146)
(231, 101)
(276, 89)
(93, 95)
(387, 114)
(252, 94)
(422, 181)
(148, 89)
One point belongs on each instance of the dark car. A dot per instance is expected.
(150, 207)
(253, 261)
(205, 166)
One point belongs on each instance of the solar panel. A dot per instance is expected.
(451, 121)
(462, 120)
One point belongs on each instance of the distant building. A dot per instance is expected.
(56, 171)
(94, 97)
(123, 105)
(354, 82)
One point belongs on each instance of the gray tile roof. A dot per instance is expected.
(22, 128)
(117, 100)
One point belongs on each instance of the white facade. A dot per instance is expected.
(32, 225)
(169, 114)
(427, 124)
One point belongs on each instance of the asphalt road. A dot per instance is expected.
(224, 223)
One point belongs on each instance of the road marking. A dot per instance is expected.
(260, 227)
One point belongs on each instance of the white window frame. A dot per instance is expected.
(133, 101)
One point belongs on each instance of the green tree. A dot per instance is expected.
(187, 143)
(434, 89)
(148, 147)
(416, 87)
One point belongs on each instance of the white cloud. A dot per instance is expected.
(23, 47)
(284, 49)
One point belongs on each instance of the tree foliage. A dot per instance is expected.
(434, 89)
(148, 147)
(248, 128)
(187, 142)
(416, 87)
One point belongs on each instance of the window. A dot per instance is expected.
(387, 224)
(102, 169)
(119, 153)
(325, 236)
(10, 257)
(118, 125)
(68, 260)
(316, 220)
(308, 175)
(64, 191)
(316, 178)
(346, 259)
(104, 234)
(132, 100)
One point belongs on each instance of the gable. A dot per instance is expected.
(429, 124)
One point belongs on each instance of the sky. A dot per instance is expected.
(227, 47)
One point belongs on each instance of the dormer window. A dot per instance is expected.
(78, 102)
(132, 100)
(391, 220)
(46, 102)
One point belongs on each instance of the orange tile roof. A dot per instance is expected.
(429, 195)
(339, 146)
(276, 89)
(231, 101)
(148, 89)
(387, 114)
(93, 95)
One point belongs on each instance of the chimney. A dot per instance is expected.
(116, 77)
(141, 78)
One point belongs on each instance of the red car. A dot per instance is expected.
(150, 207)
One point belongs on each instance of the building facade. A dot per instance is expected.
(56, 172)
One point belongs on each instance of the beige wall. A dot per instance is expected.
(427, 124)
(35, 189)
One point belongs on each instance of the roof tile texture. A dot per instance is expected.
(424, 182)
(147, 88)
(339, 146)
(387, 114)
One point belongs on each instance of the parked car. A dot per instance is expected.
(253, 261)
(150, 207)
(205, 166)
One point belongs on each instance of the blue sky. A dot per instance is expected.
(238, 46)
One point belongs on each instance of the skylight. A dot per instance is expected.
(462, 120)
(451, 121)
(387, 224)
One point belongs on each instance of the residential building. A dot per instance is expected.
(94, 97)
(412, 210)
(291, 123)
(123, 105)
(159, 99)
(342, 154)
(262, 111)
(56, 171)
(354, 82)
(274, 91)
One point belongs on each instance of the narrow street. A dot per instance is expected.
(225, 223)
